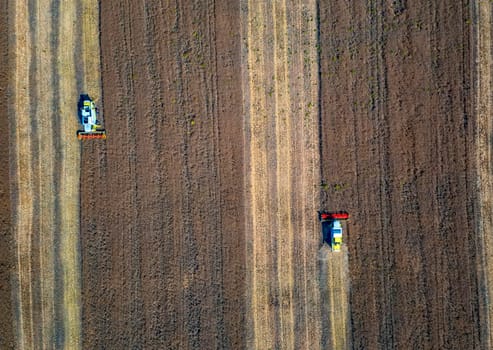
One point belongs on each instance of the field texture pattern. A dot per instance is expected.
(162, 199)
(230, 124)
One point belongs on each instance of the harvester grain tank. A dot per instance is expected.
(332, 228)
(88, 116)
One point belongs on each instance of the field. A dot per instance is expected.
(230, 124)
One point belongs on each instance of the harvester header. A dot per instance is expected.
(339, 215)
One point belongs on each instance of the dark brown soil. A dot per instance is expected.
(162, 199)
(7, 259)
(398, 130)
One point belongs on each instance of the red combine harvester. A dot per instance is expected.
(332, 228)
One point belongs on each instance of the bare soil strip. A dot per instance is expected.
(484, 164)
(282, 138)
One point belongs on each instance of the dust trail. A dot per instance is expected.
(334, 286)
(483, 145)
(339, 290)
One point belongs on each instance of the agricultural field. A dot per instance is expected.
(230, 124)
(406, 97)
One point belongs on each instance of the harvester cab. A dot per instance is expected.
(332, 228)
(88, 116)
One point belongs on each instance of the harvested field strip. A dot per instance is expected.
(484, 165)
(282, 139)
(259, 191)
(47, 159)
(282, 114)
(339, 301)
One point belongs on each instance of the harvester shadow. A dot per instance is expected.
(326, 232)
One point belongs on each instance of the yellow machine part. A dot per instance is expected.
(81, 135)
(336, 244)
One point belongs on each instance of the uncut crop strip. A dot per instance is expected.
(281, 92)
(23, 175)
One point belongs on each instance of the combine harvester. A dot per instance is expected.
(88, 116)
(332, 228)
